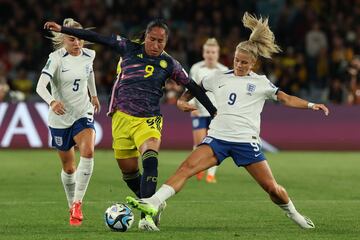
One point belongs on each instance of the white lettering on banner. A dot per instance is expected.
(28, 129)
(43, 110)
(3, 108)
(99, 133)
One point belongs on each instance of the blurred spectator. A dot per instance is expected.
(316, 42)
(354, 71)
(4, 89)
(337, 92)
(319, 38)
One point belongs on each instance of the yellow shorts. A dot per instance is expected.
(130, 132)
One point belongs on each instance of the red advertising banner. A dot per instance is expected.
(24, 125)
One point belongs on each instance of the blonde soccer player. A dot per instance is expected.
(200, 118)
(240, 95)
(69, 70)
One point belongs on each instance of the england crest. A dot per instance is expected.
(58, 141)
(250, 88)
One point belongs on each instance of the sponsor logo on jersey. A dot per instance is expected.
(163, 64)
(58, 141)
(140, 55)
(250, 88)
(65, 70)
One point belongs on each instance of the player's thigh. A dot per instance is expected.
(200, 159)
(67, 160)
(85, 140)
(199, 135)
(123, 143)
(262, 173)
(148, 134)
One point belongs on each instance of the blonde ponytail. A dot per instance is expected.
(261, 41)
(58, 38)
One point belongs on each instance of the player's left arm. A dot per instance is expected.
(180, 76)
(295, 102)
(93, 93)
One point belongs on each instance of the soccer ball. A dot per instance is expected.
(119, 217)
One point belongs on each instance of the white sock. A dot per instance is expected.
(68, 181)
(82, 178)
(211, 171)
(289, 208)
(161, 195)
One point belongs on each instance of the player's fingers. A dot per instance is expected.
(326, 110)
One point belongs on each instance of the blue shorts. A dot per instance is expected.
(63, 138)
(200, 122)
(242, 154)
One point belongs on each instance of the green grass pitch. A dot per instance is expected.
(325, 186)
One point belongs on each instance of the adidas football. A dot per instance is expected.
(119, 217)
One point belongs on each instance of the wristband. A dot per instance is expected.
(310, 105)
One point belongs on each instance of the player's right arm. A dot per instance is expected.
(183, 102)
(41, 88)
(87, 35)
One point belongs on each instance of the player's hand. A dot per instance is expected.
(317, 107)
(195, 113)
(185, 106)
(95, 102)
(57, 107)
(52, 26)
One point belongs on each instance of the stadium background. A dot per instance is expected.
(320, 60)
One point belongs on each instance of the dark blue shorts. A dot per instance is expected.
(200, 122)
(63, 138)
(242, 153)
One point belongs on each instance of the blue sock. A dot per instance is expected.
(133, 181)
(150, 173)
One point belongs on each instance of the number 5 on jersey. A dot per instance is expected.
(76, 85)
(149, 71)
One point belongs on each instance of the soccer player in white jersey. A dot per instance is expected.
(69, 70)
(200, 117)
(234, 132)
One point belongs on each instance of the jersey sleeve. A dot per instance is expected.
(115, 42)
(207, 83)
(91, 79)
(51, 65)
(179, 75)
(270, 90)
(193, 71)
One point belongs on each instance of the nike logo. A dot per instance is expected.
(221, 86)
(258, 154)
(65, 70)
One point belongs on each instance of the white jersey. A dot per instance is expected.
(69, 84)
(198, 72)
(240, 101)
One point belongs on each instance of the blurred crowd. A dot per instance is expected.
(320, 40)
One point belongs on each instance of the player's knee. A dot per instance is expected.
(87, 152)
(69, 170)
(273, 189)
(186, 169)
